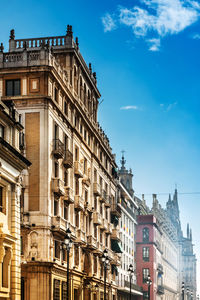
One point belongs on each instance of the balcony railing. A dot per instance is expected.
(78, 203)
(78, 169)
(58, 186)
(59, 224)
(96, 189)
(116, 209)
(68, 197)
(92, 242)
(68, 159)
(81, 237)
(58, 149)
(160, 289)
(108, 201)
(97, 218)
(115, 234)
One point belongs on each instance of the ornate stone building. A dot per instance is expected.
(12, 164)
(127, 236)
(72, 180)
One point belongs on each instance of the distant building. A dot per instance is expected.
(12, 164)
(127, 235)
(189, 266)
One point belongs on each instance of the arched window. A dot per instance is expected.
(145, 234)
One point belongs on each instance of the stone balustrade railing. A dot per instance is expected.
(40, 42)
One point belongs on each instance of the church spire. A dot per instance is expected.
(190, 234)
(123, 161)
(188, 230)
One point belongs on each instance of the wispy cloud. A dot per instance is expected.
(154, 44)
(155, 19)
(168, 107)
(128, 107)
(196, 36)
(108, 22)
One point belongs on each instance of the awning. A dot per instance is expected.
(115, 246)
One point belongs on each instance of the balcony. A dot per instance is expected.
(97, 218)
(103, 196)
(96, 189)
(68, 159)
(78, 169)
(58, 224)
(81, 237)
(86, 180)
(115, 235)
(104, 224)
(58, 149)
(108, 201)
(109, 228)
(160, 290)
(58, 186)
(92, 242)
(78, 203)
(116, 209)
(68, 197)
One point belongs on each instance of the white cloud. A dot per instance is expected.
(157, 18)
(128, 107)
(168, 107)
(154, 44)
(196, 36)
(108, 22)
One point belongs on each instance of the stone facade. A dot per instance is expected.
(12, 164)
(72, 180)
(127, 236)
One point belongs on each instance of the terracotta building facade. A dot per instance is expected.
(72, 180)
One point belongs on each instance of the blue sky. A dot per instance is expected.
(146, 55)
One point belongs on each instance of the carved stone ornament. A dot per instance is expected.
(2, 252)
(12, 34)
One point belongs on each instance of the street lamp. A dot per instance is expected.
(149, 282)
(131, 271)
(183, 289)
(66, 245)
(187, 293)
(105, 261)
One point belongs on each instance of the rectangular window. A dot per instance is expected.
(76, 154)
(65, 108)
(56, 290)
(66, 178)
(55, 206)
(2, 131)
(56, 94)
(56, 169)
(145, 253)
(76, 248)
(13, 87)
(56, 249)
(1, 199)
(64, 290)
(65, 214)
(145, 274)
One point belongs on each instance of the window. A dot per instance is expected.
(56, 169)
(145, 234)
(13, 87)
(66, 178)
(65, 214)
(2, 131)
(55, 206)
(1, 199)
(76, 154)
(76, 250)
(56, 290)
(56, 94)
(85, 166)
(56, 249)
(65, 108)
(76, 186)
(145, 274)
(145, 253)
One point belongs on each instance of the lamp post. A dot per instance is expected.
(66, 245)
(131, 271)
(105, 261)
(183, 289)
(187, 293)
(149, 282)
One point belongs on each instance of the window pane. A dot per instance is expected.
(9, 87)
(16, 88)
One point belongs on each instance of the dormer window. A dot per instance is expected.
(13, 87)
